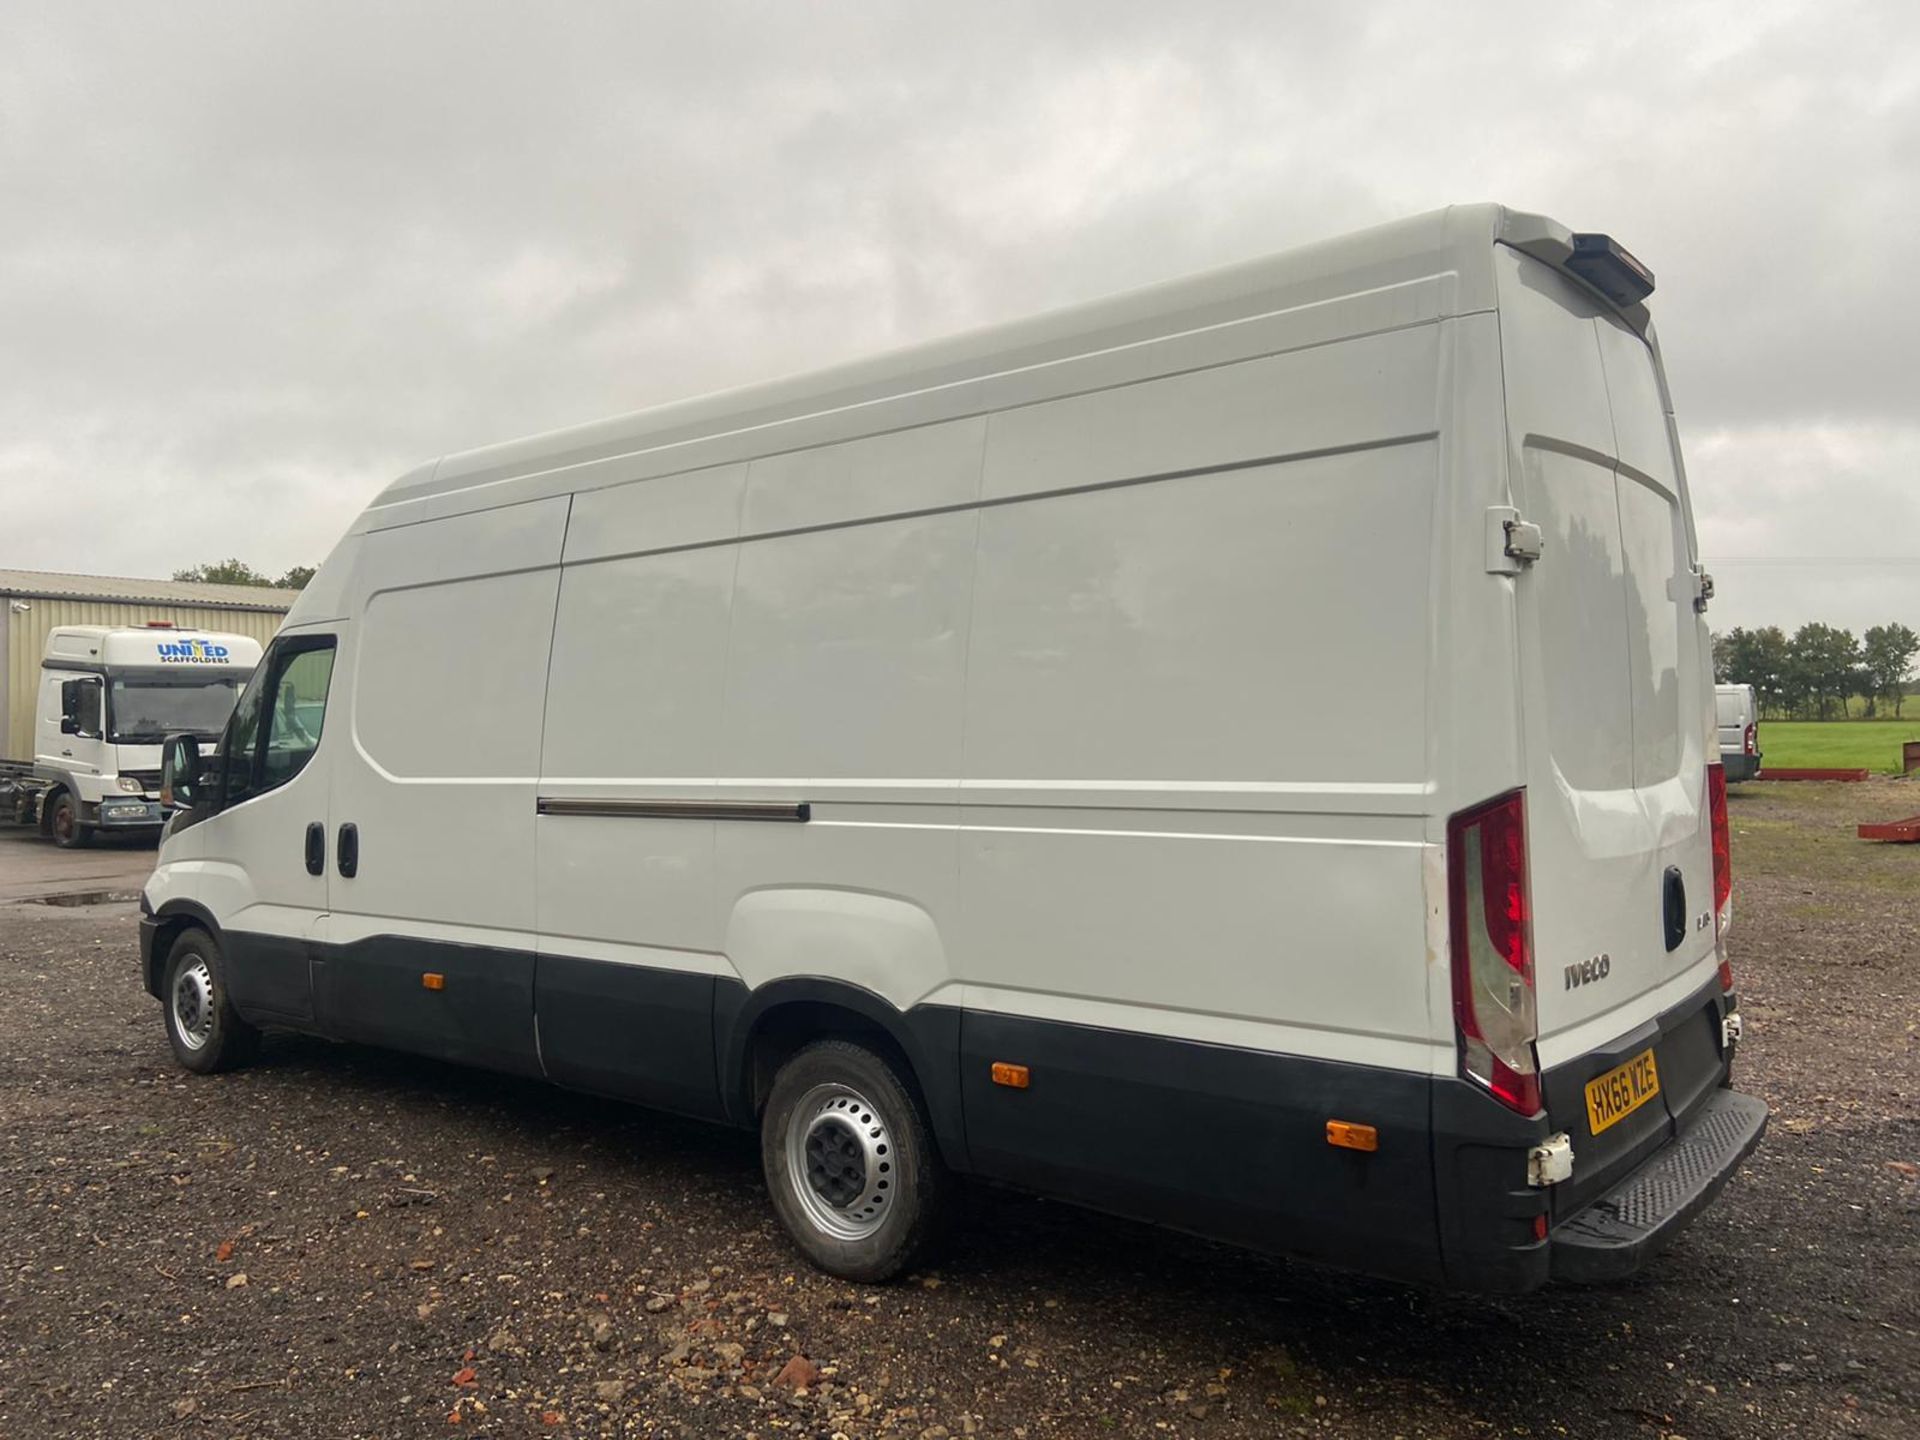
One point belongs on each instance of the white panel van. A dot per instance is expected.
(1239, 755)
(1737, 714)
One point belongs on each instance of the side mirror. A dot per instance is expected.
(69, 725)
(180, 777)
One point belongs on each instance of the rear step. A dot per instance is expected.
(1614, 1236)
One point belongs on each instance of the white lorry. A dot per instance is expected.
(107, 699)
(1240, 754)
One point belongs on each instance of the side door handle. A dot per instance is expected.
(347, 855)
(316, 848)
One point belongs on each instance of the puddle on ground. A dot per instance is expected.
(84, 897)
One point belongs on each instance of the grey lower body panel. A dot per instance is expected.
(1615, 1235)
(1740, 766)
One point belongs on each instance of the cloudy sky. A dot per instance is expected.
(256, 259)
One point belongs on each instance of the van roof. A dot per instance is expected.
(1453, 246)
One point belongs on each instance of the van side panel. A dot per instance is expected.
(1191, 847)
(629, 950)
(443, 670)
(846, 670)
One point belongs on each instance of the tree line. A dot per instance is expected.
(238, 572)
(1810, 674)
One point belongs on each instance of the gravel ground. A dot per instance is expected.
(341, 1242)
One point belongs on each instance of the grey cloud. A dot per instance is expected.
(256, 260)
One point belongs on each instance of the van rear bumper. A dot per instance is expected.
(1501, 1234)
(1614, 1236)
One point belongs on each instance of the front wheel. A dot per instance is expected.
(64, 822)
(850, 1161)
(206, 1032)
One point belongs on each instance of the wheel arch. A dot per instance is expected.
(47, 798)
(756, 1031)
(172, 920)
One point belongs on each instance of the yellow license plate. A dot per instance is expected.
(1621, 1091)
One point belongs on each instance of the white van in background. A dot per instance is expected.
(1738, 716)
(1238, 754)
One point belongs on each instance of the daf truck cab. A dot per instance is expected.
(108, 699)
(1239, 754)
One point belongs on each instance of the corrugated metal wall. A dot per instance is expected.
(26, 638)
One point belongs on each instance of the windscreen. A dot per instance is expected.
(144, 709)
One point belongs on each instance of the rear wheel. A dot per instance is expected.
(206, 1032)
(851, 1163)
(64, 824)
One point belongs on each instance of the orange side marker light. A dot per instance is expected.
(1015, 1076)
(433, 980)
(1350, 1135)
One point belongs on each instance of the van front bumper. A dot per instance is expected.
(1614, 1236)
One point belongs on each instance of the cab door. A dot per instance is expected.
(262, 851)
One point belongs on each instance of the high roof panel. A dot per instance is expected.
(1455, 243)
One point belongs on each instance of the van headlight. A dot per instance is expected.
(130, 785)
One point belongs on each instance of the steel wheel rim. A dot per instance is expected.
(63, 819)
(192, 1007)
(841, 1161)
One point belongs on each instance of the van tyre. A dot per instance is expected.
(851, 1163)
(63, 822)
(206, 1032)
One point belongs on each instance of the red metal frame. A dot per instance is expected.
(1901, 832)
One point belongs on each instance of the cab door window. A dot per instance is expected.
(276, 726)
(80, 708)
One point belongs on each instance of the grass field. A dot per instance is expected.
(1869, 744)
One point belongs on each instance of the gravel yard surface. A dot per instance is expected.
(341, 1242)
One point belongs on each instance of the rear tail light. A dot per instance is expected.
(1753, 739)
(1493, 993)
(1722, 867)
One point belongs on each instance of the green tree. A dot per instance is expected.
(1821, 663)
(1886, 658)
(237, 572)
(224, 572)
(1759, 658)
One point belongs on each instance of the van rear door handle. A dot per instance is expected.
(316, 848)
(348, 854)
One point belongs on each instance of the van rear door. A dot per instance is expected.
(1617, 720)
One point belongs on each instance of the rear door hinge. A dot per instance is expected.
(1512, 543)
(1693, 585)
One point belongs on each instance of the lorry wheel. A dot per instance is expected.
(206, 1032)
(64, 822)
(850, 1161)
